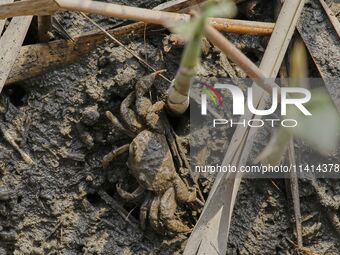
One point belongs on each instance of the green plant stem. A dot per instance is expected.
(190, 60)
(178, 94)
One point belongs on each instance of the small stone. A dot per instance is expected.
(4, 194)
(8, 236)
(87, 139)
(102, 62)
(89, 178)
(90, 115)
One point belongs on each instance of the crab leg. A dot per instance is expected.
(135, 195)
(113, 154)
(144, 85)
(154, 215)
(168, 208)
(183, 194)
(116, 124)
(152, 117)
(144, 209)
(128, 115)
(144, 107)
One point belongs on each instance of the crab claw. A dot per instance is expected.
(168, 208)
(135, 195)
(144, 84)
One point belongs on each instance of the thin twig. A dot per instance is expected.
(122, 45)
(47, 7)
(12, 142)
(53, 230)
(294, 185)
(118, 208)
(233, 53)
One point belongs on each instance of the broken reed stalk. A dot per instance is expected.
(47, 7)
(242, 26)
(3, 21)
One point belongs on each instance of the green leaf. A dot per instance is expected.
(321, 130)
(188, 30)
(276, 148)
(226, 9)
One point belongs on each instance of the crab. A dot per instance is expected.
(150, 161)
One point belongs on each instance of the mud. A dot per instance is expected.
(54, 206)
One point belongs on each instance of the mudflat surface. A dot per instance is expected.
(55, 206)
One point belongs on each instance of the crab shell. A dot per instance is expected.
(150, 161)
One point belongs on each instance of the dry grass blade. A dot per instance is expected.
(333, 19)
(299, 71)
(240, 59)
(2, 22)
(11, 42)
(214, 223)
(294, 185)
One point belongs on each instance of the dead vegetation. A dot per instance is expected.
(61, 94)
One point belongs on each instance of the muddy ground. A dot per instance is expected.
(56, 206)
